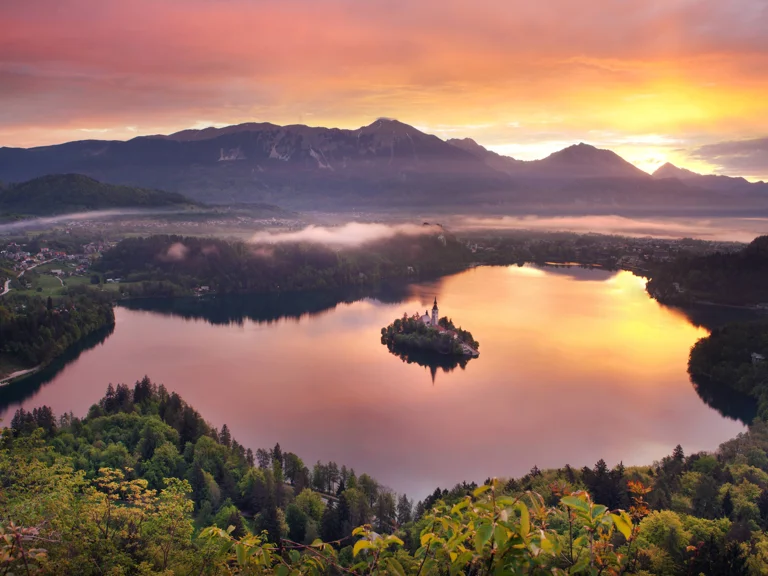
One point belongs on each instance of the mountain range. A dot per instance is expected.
(385, 165)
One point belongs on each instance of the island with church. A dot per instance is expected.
(427, 332)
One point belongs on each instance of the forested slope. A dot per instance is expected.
(130, 488)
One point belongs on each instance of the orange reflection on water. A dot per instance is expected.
(575, 365)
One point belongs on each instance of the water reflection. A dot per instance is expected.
(269, 307)
(432, 361)
(16, 392)
(557, 354)
(727, 401)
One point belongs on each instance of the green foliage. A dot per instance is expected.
(172, 265)
(64, 193)
(409, 332)
(32, 333)
(122, 490)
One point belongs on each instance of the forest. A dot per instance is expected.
(175, 265)
(33, 331)
(409, 332)
(143, 485)
(739, 278)
(63, 193)
(733, 357)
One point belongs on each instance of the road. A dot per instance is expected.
(7, 287)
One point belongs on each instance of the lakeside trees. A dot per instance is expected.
(33, 331)
(132, 487)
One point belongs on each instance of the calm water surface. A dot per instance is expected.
(575, 365)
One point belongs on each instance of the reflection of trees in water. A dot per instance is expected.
(711, 317)
(429, 359)
(20, 390)
(727, 401)
(267, 307)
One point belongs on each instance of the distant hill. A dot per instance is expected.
(710, 181)
(385, 165)
(67, 193)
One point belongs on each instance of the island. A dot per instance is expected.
(428, 333)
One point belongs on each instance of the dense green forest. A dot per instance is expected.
(409, 332)
(33, 331)
(734, 358)
(175, 265)
(143, 485)
(64, 193)
(739, 278)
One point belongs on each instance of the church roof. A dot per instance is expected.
(435, 305)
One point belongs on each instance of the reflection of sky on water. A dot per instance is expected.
(569, 372)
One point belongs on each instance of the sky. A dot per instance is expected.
(684, 81)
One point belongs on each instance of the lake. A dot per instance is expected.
(575, 365)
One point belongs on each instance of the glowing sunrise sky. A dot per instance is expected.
(684, 81)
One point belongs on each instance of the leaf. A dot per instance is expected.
(575, 502)
(427, 538)
(525, 519)
(481, 490)
(240, 551)
(317, 543)
(392, 539)
(282, 570)
(460, 506)
(294, 556)
(361, 545)
(359, 530)
(482, 536)
(500, 535)
(623, 524)
(395, 567)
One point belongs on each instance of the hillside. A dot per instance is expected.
(739, 278)
(385, 165)
(142, 484)
(66, 193)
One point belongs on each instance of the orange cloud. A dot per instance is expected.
(513, 73)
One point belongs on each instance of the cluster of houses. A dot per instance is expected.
(21, 259)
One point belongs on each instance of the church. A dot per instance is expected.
(431, 321)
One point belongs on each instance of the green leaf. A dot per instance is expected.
(460, 506)
(482, 536)
(480, 490)
(392, 539)
(282, 570)
(317, 543)
(427, 538)
(525, 519)
(395, 567)
(575, 502)
(623, 524)
(240, 551)
(294, 556)
(361, 545)
(500, 535)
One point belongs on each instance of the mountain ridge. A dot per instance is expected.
(385, 164)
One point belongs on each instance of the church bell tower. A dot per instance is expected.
(434, 313)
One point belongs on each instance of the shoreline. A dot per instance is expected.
(21, 374)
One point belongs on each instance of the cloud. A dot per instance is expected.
(739, 157)
(498, 70)
(350, 234)
(176, 252)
